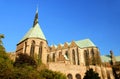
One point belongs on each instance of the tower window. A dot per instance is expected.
(40, 50)
(25, 47)
(32, 50)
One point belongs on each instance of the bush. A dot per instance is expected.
(90, 74)
(6, 66)
(27, 72)
(24, 60)
(48, 74)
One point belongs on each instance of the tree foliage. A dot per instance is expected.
(24, 60)
(48, 74)
(5, 64)
(1, 36)
(90, 74)
(26, 72)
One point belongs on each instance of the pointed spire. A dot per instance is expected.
(36, 18)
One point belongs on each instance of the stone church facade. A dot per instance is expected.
(73, 58)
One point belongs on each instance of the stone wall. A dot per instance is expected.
(104, 73)
(68, 69)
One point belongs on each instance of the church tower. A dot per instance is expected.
(34, 42)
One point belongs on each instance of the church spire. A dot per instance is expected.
(36, 18)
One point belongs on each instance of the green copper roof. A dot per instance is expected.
(106, 58)
(82, 43)
(117, 58)
(35, 32)
(85, 43)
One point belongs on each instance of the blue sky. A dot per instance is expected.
(63, 21)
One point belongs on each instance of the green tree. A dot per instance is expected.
(24, 60)
(2, 49)
(90, 74)
(49, 74)
(6, 66)
(27, 72)
(1, 36)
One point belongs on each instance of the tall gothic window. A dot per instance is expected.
(98, 61)
(40, 50)
(69, 76)
(73, 56)
(78, 61)
(60, 58)
(86, 56)
(66, 53)
(53, 57)
(93, 60)
(78, 76)
(25, 47)
(32, 50)
(48, 57)
(60, 54)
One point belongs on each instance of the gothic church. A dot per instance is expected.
(72, 59)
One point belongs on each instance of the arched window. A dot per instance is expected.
(78, 76)
(66, 53)
(53, 57)
(48, 57)
(73, 56)
(78, 61)
(32, 50)
(60, 53)
(25, 47)
(92, 52)
(93, 59)
(69, 76)
(86, 56)
(40, 50)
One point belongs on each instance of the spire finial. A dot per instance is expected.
(36, 18)
(37, 9)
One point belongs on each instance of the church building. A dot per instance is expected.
(71, 58)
